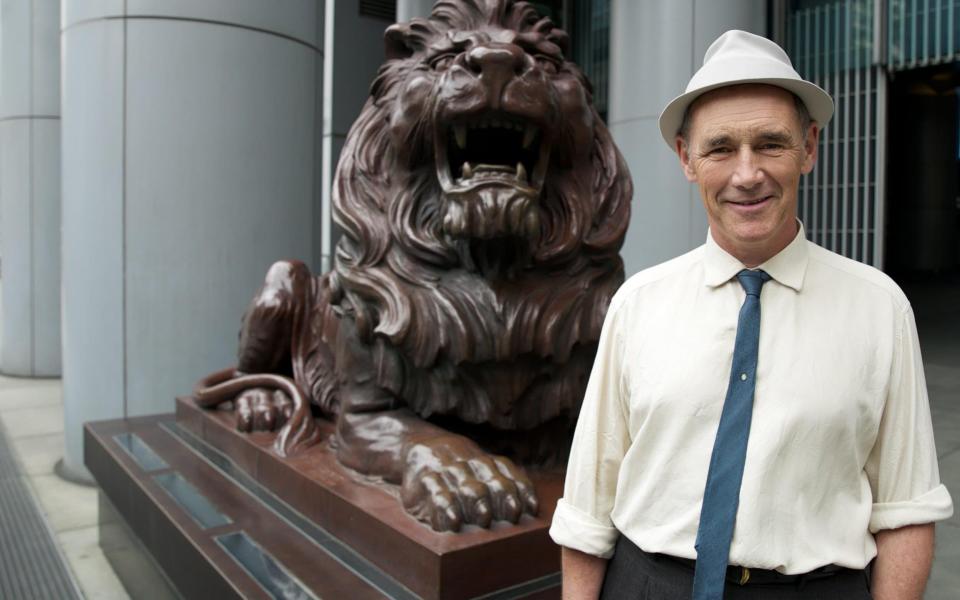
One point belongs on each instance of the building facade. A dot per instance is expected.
(157, 156)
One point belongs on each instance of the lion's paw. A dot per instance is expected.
(449, 482)
(262, 409)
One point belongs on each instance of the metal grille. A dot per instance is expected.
(379, 9)
(30, 565)
(588, 24)
(841, 201)
(922, 32)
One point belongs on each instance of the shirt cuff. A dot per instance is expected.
(576, 529)
(935, 505)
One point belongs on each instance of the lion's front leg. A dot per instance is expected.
(446, 480)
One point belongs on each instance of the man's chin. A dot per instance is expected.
(761, 238)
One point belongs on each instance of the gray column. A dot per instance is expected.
(30, 187)
(353, 52)
(190, 163)
(655, 47)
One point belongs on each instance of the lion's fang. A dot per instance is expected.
(521, 172)
(460, 132)
(528, 135)
(466, 172)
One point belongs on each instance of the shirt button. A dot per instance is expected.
(743, 376)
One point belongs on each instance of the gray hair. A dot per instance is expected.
(803, 115)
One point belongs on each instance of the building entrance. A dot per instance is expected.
(923, 220)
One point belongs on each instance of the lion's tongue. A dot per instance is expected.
(484, 170)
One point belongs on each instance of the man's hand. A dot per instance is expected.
(582, 575)
(903, 562)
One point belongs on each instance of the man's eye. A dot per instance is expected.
(718, 151)
(771, 146)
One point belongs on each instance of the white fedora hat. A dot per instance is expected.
(739, 57)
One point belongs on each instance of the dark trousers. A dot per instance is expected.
(633, 574)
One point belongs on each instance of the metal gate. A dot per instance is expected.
(922, 32)
(837, 45)
(848, 47)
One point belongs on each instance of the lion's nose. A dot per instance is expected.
(501, 61)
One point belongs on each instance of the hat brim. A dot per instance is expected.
(818, 102)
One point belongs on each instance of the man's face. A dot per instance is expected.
(746, 151)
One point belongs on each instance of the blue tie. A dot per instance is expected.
(722, 492)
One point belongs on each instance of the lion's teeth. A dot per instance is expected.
(466, 172)
(521, 172)
(460, 132)
(528, 135)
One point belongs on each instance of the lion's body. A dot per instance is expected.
(517, 391)
(462, 292)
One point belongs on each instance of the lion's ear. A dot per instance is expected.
(397, 42)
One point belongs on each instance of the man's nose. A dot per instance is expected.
(496, 64)
(747, 173)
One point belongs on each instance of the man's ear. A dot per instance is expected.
(810, 148)
(683, 151)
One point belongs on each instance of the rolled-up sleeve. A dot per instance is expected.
(902, 467)
(582, 517)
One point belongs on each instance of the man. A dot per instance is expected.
(793, 443)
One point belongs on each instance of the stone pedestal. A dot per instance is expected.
(221, 512)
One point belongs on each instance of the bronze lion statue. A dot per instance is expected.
(483, 205)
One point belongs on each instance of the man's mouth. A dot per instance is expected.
(492, 149)
(752, 202)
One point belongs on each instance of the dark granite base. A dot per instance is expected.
(131, 561)
(223, 515)
(187, 550)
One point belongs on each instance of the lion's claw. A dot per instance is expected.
(262, 409)
(450, 482)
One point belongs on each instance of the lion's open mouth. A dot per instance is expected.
(493, 149)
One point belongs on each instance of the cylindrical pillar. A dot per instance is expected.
(654, 49)
(30, 187)
(191, 162)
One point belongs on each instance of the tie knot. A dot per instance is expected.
(752, 281)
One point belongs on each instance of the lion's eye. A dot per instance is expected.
(547, 63)
(442, 62)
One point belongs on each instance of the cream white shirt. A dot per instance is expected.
(841, 441)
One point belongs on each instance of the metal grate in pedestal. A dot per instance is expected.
(30, 564)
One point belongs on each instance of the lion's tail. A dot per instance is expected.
(299, 432)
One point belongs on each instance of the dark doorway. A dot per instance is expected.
(923, 220)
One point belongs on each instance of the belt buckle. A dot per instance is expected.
(744, 575)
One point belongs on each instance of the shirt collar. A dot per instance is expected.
(787, 267)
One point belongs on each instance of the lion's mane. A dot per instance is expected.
(413, 291)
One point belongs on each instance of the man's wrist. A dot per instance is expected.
(902, 566)
(582, 574)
